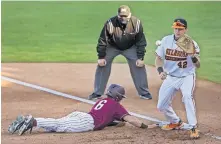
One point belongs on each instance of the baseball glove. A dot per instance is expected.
(186, 44)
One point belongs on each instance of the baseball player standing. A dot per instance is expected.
(121, 35)
(103, 113)
(177, 69)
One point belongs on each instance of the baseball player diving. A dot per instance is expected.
(176, 63)
(104, 113)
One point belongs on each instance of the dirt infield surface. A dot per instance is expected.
(77, 79)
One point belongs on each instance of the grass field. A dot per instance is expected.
(68, 31)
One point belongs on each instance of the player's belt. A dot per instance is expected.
(177, 76)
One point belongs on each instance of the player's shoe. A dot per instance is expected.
(15, 125)
(194, 133)
(94, 96)
(146, 96)
(172, 126)
(27, 125)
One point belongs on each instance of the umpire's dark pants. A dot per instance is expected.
(138, 73)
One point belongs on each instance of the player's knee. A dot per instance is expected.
(186, 98)
(160, 107)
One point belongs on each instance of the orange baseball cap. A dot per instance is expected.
(180, 23)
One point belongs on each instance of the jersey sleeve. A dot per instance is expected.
(102, 41)
(141, 42)
(197, 48)
(120, 113)
(160, 49)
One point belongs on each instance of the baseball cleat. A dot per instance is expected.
(194, 133)
(172, 126)
(94, 96)
(146, 96)
(15, 125)
(27, 125)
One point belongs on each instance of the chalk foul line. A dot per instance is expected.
(186, 126)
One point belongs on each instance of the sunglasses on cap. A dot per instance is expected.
(178, 25)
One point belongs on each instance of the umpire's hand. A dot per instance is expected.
(139, 63)
(101, 62)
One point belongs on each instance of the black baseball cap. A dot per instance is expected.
(179, 23)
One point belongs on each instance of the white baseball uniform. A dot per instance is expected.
(181, 75)
(74, 122)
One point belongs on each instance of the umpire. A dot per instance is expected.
(122, 34)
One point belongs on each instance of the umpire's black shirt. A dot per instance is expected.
(122, 36)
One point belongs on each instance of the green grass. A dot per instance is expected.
(68, 31)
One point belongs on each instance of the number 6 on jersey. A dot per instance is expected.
(100, 104)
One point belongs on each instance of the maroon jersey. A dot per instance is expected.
(106, 111)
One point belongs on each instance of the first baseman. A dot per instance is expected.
(177, 69)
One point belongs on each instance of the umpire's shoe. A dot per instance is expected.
(146, 96)
(93, 96)
(15, 125)
(27, 125)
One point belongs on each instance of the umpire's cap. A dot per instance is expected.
(116, 92)
(124, 10)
